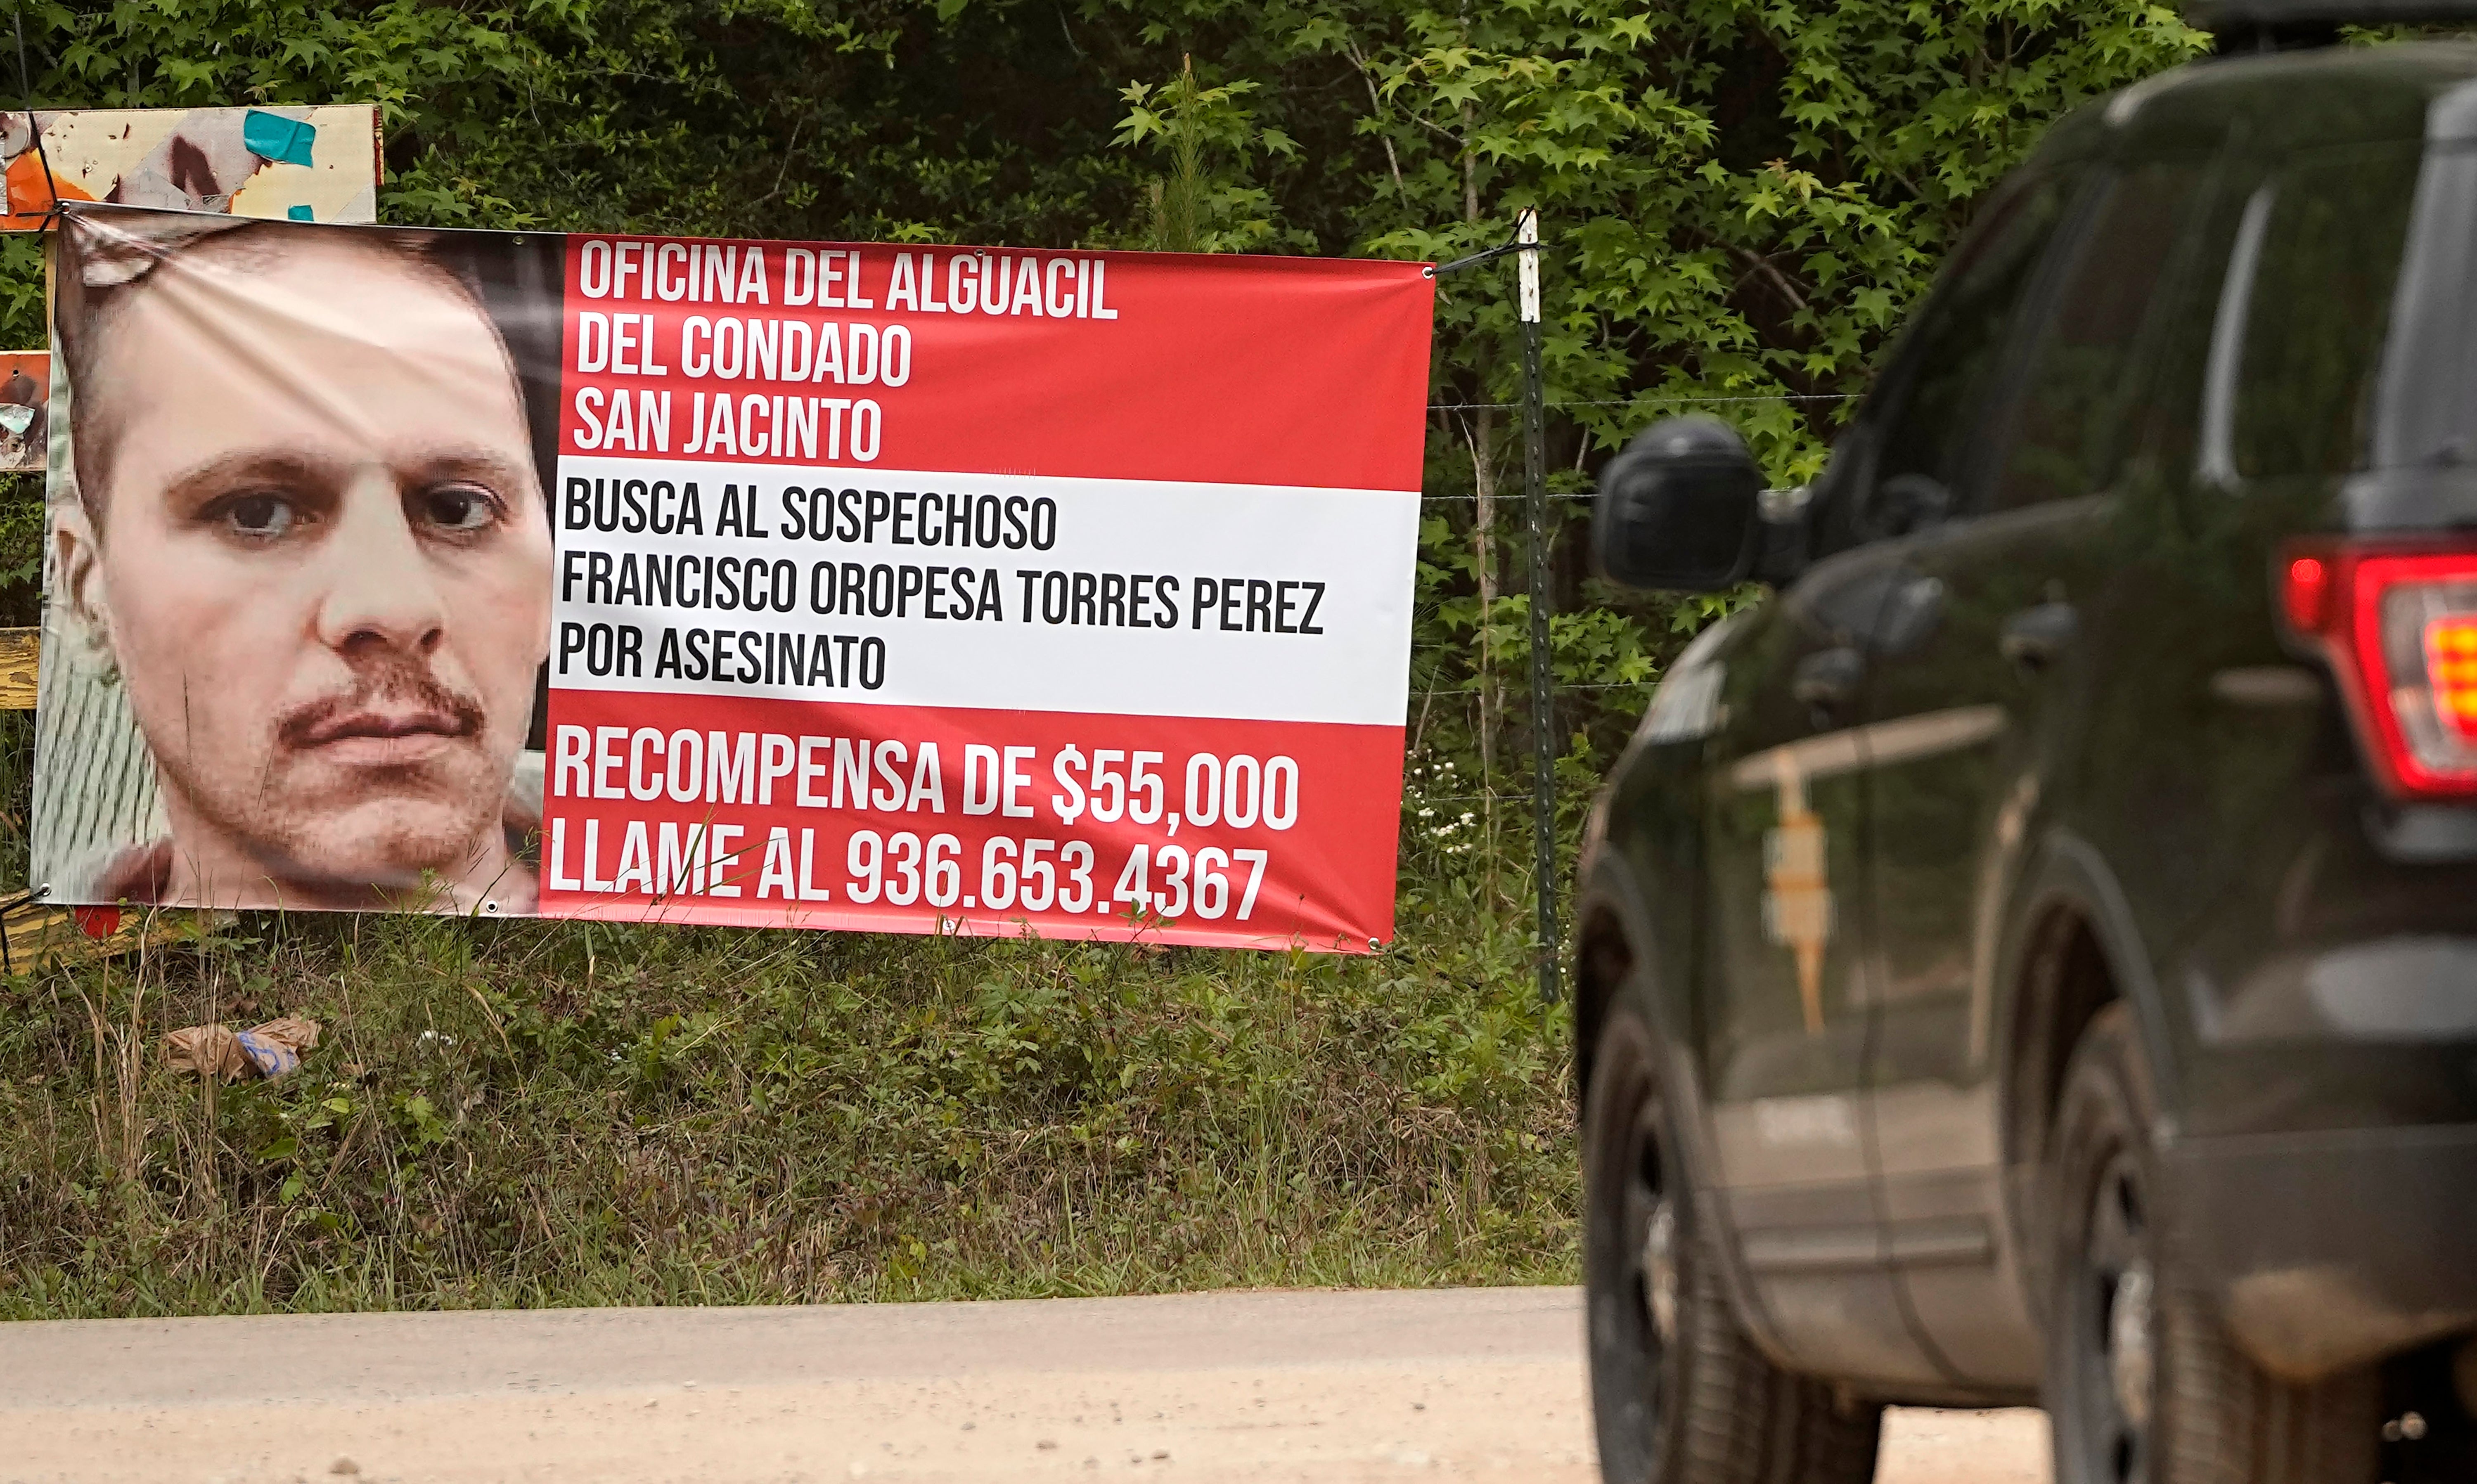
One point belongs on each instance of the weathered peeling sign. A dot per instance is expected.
(302, 164)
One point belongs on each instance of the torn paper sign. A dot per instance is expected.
(25, 399)
(304, 163)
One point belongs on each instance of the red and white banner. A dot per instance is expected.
(983, 592)
(911, 590)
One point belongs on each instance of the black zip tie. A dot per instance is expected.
(1490, 255)
(1652, 399)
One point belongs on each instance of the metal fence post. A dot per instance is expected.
(1543, 717)
(1525, 247)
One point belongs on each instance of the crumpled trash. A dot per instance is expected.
(269, 1050)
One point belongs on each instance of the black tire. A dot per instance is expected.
(1686, 1399)
(2144, 1383)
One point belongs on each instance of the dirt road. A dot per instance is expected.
(1324, 1387)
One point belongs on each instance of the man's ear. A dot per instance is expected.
(80, 570)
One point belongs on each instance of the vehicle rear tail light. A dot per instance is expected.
(2451, 666)
(2399, 629)
(2304, 593)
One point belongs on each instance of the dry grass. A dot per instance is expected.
(539, 1113)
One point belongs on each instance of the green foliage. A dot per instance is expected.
(1743, 197)
(1186, 119)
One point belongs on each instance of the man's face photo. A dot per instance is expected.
(315, 539)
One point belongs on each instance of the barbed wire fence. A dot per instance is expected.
(1470, 691)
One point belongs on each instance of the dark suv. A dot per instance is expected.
(2031, 954)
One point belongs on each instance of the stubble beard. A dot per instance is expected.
(327, 830)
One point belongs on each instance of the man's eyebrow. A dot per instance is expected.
(471, 459)
(274, 465)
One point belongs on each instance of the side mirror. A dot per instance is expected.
(1678, 509)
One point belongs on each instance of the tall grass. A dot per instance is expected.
(537, 1113)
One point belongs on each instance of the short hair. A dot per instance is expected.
(107, 268)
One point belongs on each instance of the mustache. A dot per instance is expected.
(396, 700)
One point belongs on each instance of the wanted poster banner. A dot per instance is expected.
(865, 587)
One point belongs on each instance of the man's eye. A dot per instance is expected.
(458, 507)
(262, 515)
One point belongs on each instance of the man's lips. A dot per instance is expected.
(384, 726)
(391, 719)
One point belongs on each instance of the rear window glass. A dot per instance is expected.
(2307, 304)
(2083, 381)
(1953, 353)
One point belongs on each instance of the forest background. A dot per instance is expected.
(1741, 200)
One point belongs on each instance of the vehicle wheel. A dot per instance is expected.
(1678, 1394)
(2143, 1384)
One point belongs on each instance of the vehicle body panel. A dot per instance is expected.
(2177, 779)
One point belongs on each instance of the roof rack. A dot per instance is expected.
(2242, 26)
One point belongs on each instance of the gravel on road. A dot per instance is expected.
(1330, 1387)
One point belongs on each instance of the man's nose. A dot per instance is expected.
(380, 587)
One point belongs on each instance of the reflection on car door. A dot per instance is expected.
(1964, 719)
(1790, 1015)
(1785, 1018)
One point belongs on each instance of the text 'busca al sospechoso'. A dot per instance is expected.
(981, 562)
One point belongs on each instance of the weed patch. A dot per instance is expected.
(537, 1113)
